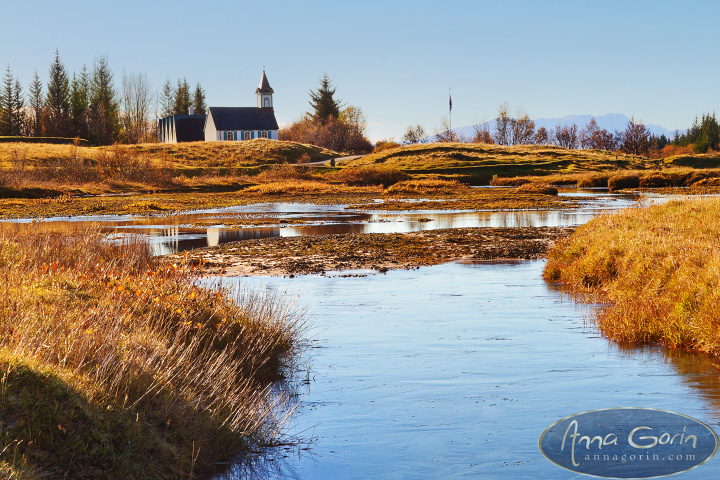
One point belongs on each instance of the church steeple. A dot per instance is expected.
(264, 93)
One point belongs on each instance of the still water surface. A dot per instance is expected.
(454, 371)
(184, 231)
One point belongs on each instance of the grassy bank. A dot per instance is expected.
(44, 170)
(691, 180)
(658, 267)
(480, 164)
(115, 366)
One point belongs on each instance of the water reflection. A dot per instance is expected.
(699, 371)
(455, 370)
(176, 233)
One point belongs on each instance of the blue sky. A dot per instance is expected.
(657, 60)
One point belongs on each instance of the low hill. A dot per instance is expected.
(191, 158)
(480, 162)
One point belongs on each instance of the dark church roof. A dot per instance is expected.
(243, 118)
(264, 85)
(189, 128)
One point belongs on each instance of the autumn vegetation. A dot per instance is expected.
(659, 269)
(330, 124)
(520, 129)
(114, 364)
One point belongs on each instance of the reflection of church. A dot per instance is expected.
(225, 123)
(179, 239)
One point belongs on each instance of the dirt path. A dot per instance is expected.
(381, 252)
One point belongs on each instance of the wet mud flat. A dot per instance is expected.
(318, 254)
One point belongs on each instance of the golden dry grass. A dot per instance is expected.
(659, 267)
(114, 365)
(306, 187)
(428, 186)
(483, 161)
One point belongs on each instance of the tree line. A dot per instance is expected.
(635, 139)
(88, 105)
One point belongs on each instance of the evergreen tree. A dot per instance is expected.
(12, 119)
(199, 100)
(707, 134)
(79, 103)
(167, 99)
(58, 100)
(6, 104)
(19, 120)
(323, 103)
(182, 98)
(37, 106)
(103, 122)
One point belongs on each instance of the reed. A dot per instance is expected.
(115, 365)
(659, 267)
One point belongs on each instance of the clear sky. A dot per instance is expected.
(657, 60)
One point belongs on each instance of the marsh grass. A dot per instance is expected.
(370, 175)
(428, 186)
(659, 268)
(115, 365)
(306, 187)
(537, 188)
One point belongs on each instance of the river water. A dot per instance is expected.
(450, 371)
(179, 232)
(454, 371)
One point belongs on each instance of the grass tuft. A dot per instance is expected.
(659, 267)
(370, 175)
(115, 365)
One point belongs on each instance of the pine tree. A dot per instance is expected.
(167, 99)
(6, 104)
(323, 103)
(103, 122)
(58, 100)
(18, 113)
(37, 106)
(182, 98)
(199, 100)
(79, 103)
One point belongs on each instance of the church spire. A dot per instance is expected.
(264, 93)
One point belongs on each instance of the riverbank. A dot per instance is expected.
(380, 252)
(458, 197)
(658, 267)
(115, 365)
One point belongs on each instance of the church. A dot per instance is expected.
(224, 123)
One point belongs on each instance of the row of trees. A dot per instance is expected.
(88, 105)
(704, 135)
(177, 100)
(330, 124)
(520, 130)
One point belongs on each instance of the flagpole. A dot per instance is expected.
(450, 107)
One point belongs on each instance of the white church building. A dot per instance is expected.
(225, 123)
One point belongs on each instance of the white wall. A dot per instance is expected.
(211, 133)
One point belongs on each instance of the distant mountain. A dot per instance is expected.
(610, 122)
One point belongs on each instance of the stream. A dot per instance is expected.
(454, 371)
(449, 371)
